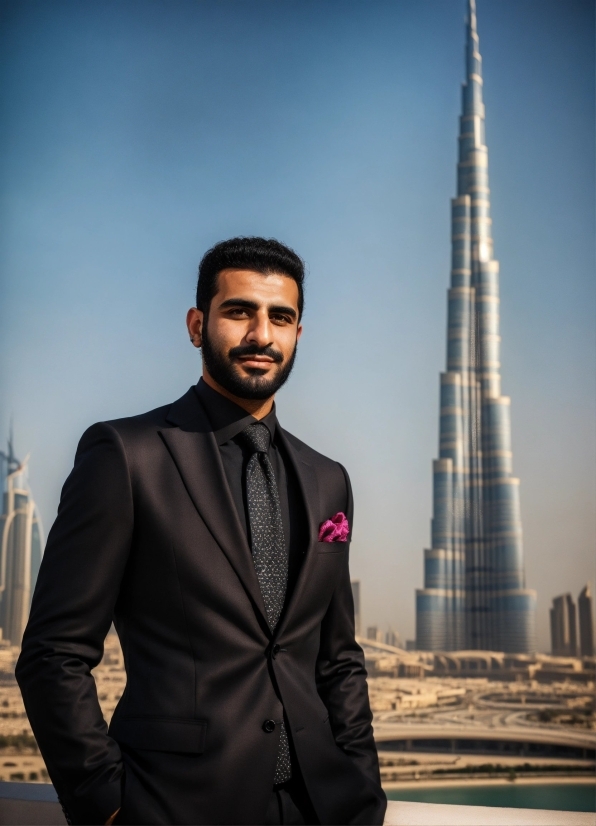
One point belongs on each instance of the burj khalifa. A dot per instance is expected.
(474, 594)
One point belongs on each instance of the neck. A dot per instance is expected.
(259, 408)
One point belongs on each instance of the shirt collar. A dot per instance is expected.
(226, 418)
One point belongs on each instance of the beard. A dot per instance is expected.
(258, 385)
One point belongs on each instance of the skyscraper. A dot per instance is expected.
(21, 549)
(474, 593)
(563, 627)
(393, 638)
(585, 607)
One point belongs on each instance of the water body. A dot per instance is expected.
(570, 797)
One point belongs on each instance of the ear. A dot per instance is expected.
(298, 333)
(194, 325)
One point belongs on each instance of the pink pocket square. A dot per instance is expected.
(335, 529)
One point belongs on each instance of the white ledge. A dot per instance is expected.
(402, 813)
(27, 803)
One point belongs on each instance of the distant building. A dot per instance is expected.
(492, 665)
(474, 594)
(411, 645)
(392, 638)
(21, 549)
(563, 627)
(356, 598)
(585, 607)
(373, 633)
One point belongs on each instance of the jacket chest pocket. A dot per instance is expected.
(339, 548)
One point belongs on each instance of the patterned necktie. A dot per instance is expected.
(268, 549)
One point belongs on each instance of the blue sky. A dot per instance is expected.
(134, 135)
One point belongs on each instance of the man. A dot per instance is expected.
(217, 543)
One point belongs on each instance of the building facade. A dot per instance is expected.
(585, 608)
(21, 549)
(474, 594)
(563, 627)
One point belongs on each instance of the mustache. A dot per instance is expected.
(255, 350)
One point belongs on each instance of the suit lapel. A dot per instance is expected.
(194, 450)
(309, 488)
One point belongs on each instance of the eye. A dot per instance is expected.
(280, 318)
(238, 312)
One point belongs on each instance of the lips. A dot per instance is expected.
(256, 359)
(256, 366)
(252, 355)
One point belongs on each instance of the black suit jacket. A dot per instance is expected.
(147, 536)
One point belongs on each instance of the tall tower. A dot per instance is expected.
(563, 627)
(585, 608)
(474, 594)
(21, 547)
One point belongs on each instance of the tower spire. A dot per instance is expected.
(12, 463)
(11, 456)
(473, 59)
(472, 15)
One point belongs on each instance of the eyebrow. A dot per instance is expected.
(252, 305)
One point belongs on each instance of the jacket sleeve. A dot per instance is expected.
(71, 613)
(341, 678)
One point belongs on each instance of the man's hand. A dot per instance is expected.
(112, 818)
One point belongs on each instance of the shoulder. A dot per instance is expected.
(126, 435)
(127, 428)
(137, 439)
(121, 447)
(142, 424)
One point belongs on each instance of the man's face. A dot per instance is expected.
(250, 334)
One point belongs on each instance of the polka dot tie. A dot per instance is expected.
(268, 549)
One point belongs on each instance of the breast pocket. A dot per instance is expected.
(332, 547)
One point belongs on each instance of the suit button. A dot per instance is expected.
(269, 726)
(275, 650)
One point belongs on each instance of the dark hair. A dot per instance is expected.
(264, 255)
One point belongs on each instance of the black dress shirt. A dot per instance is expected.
(228, 421)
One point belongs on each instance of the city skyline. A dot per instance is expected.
(21, 546)
(474, 594)
(139, 134)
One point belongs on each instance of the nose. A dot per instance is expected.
(260, 332)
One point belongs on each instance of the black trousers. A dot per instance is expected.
(289, 804)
